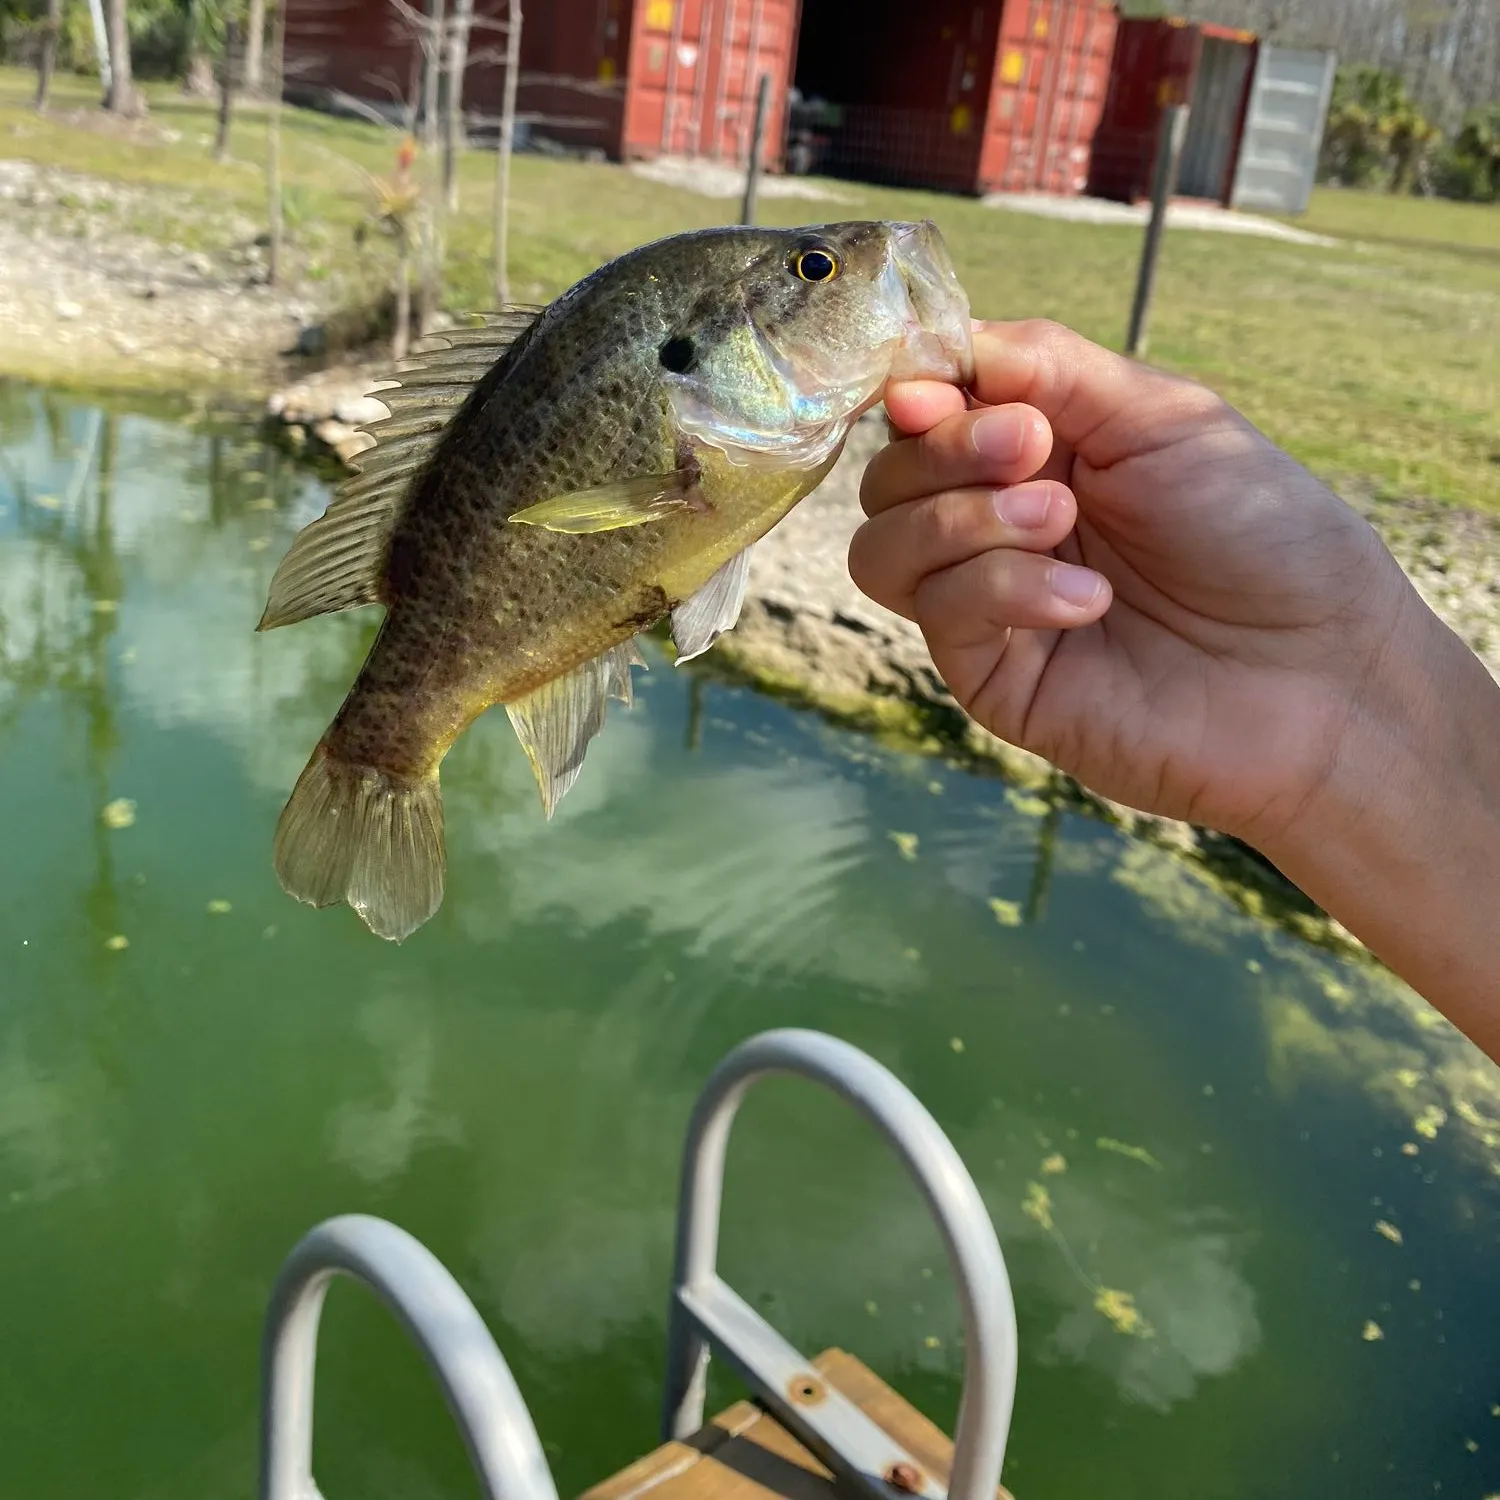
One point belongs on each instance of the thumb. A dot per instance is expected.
(1104, 406)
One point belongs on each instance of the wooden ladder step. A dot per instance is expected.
(745, 1454)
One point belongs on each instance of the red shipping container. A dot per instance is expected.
(1163, 62)
(1051, 79)
(694, 67)
(632, 78)
(969, 95)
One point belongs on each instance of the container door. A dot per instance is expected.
(1283, 130)
(1216, 107)
(1153, 66)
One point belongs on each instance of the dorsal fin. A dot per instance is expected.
(337, 561)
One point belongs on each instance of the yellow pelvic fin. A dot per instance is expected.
(608, 507)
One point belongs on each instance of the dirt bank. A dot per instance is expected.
(88, 300)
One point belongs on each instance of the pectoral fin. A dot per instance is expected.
(607, 507)
(556, 722)
(699, 621)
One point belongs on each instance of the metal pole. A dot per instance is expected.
(973, 1251)
(1168, 158)
(752, 168)
(431, 1306)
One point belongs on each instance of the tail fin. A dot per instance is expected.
(356, 834)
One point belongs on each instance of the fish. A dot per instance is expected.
(553, 483)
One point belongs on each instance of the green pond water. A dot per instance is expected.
(1247, 1191)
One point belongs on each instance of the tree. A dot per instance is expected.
(395, 212)
(201, 43)
(430, 292)
(122, 98)
(255, 35)
(1470, 166)
(227, 60)
(47, 56)
(273, 143)
(453, 112)
(1446, 53)
(1375, 136)
(503, 149)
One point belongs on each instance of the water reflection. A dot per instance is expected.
(1186, 1124)
(378, 1137)
(1323, 1018)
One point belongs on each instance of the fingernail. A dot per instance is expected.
(1076, 586)
(1025, 506)
(999, 436)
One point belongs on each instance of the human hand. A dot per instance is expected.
(1114, 569)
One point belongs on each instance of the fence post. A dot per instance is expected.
(1168, 158)
(752, 169)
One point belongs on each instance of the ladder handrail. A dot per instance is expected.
(481, 1392)
(974, 1252)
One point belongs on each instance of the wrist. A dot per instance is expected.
(1401, 840)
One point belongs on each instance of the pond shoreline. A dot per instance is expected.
(137, 316)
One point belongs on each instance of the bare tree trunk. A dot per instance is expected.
(121, 98)
(226, 87)
(255, 37)
(453, 114)
(47, 61)
(503, 152)
(273, 142)
(401, 330)
(430, 291)
(198, 77)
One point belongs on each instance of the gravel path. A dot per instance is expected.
(1084, 210)
(711, 180)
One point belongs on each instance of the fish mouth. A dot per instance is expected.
(938, 340)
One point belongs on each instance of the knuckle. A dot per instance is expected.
(948, 520)
(875, 565)
(1041, 332)
(947, 452)
(875, 482)
(863, 550)
(1187, 402)
(998, 573)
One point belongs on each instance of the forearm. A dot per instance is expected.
(1402, 844)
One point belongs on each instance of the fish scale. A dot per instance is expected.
(608, 464)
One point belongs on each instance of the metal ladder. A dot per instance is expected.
(706, 1315)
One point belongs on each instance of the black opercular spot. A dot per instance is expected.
(677, 355)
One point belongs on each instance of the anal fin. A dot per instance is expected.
(556, 721)
(700, 620)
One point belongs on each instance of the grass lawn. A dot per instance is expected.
(1377, 361)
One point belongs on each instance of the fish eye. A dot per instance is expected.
(677, 355)
(815, 265)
